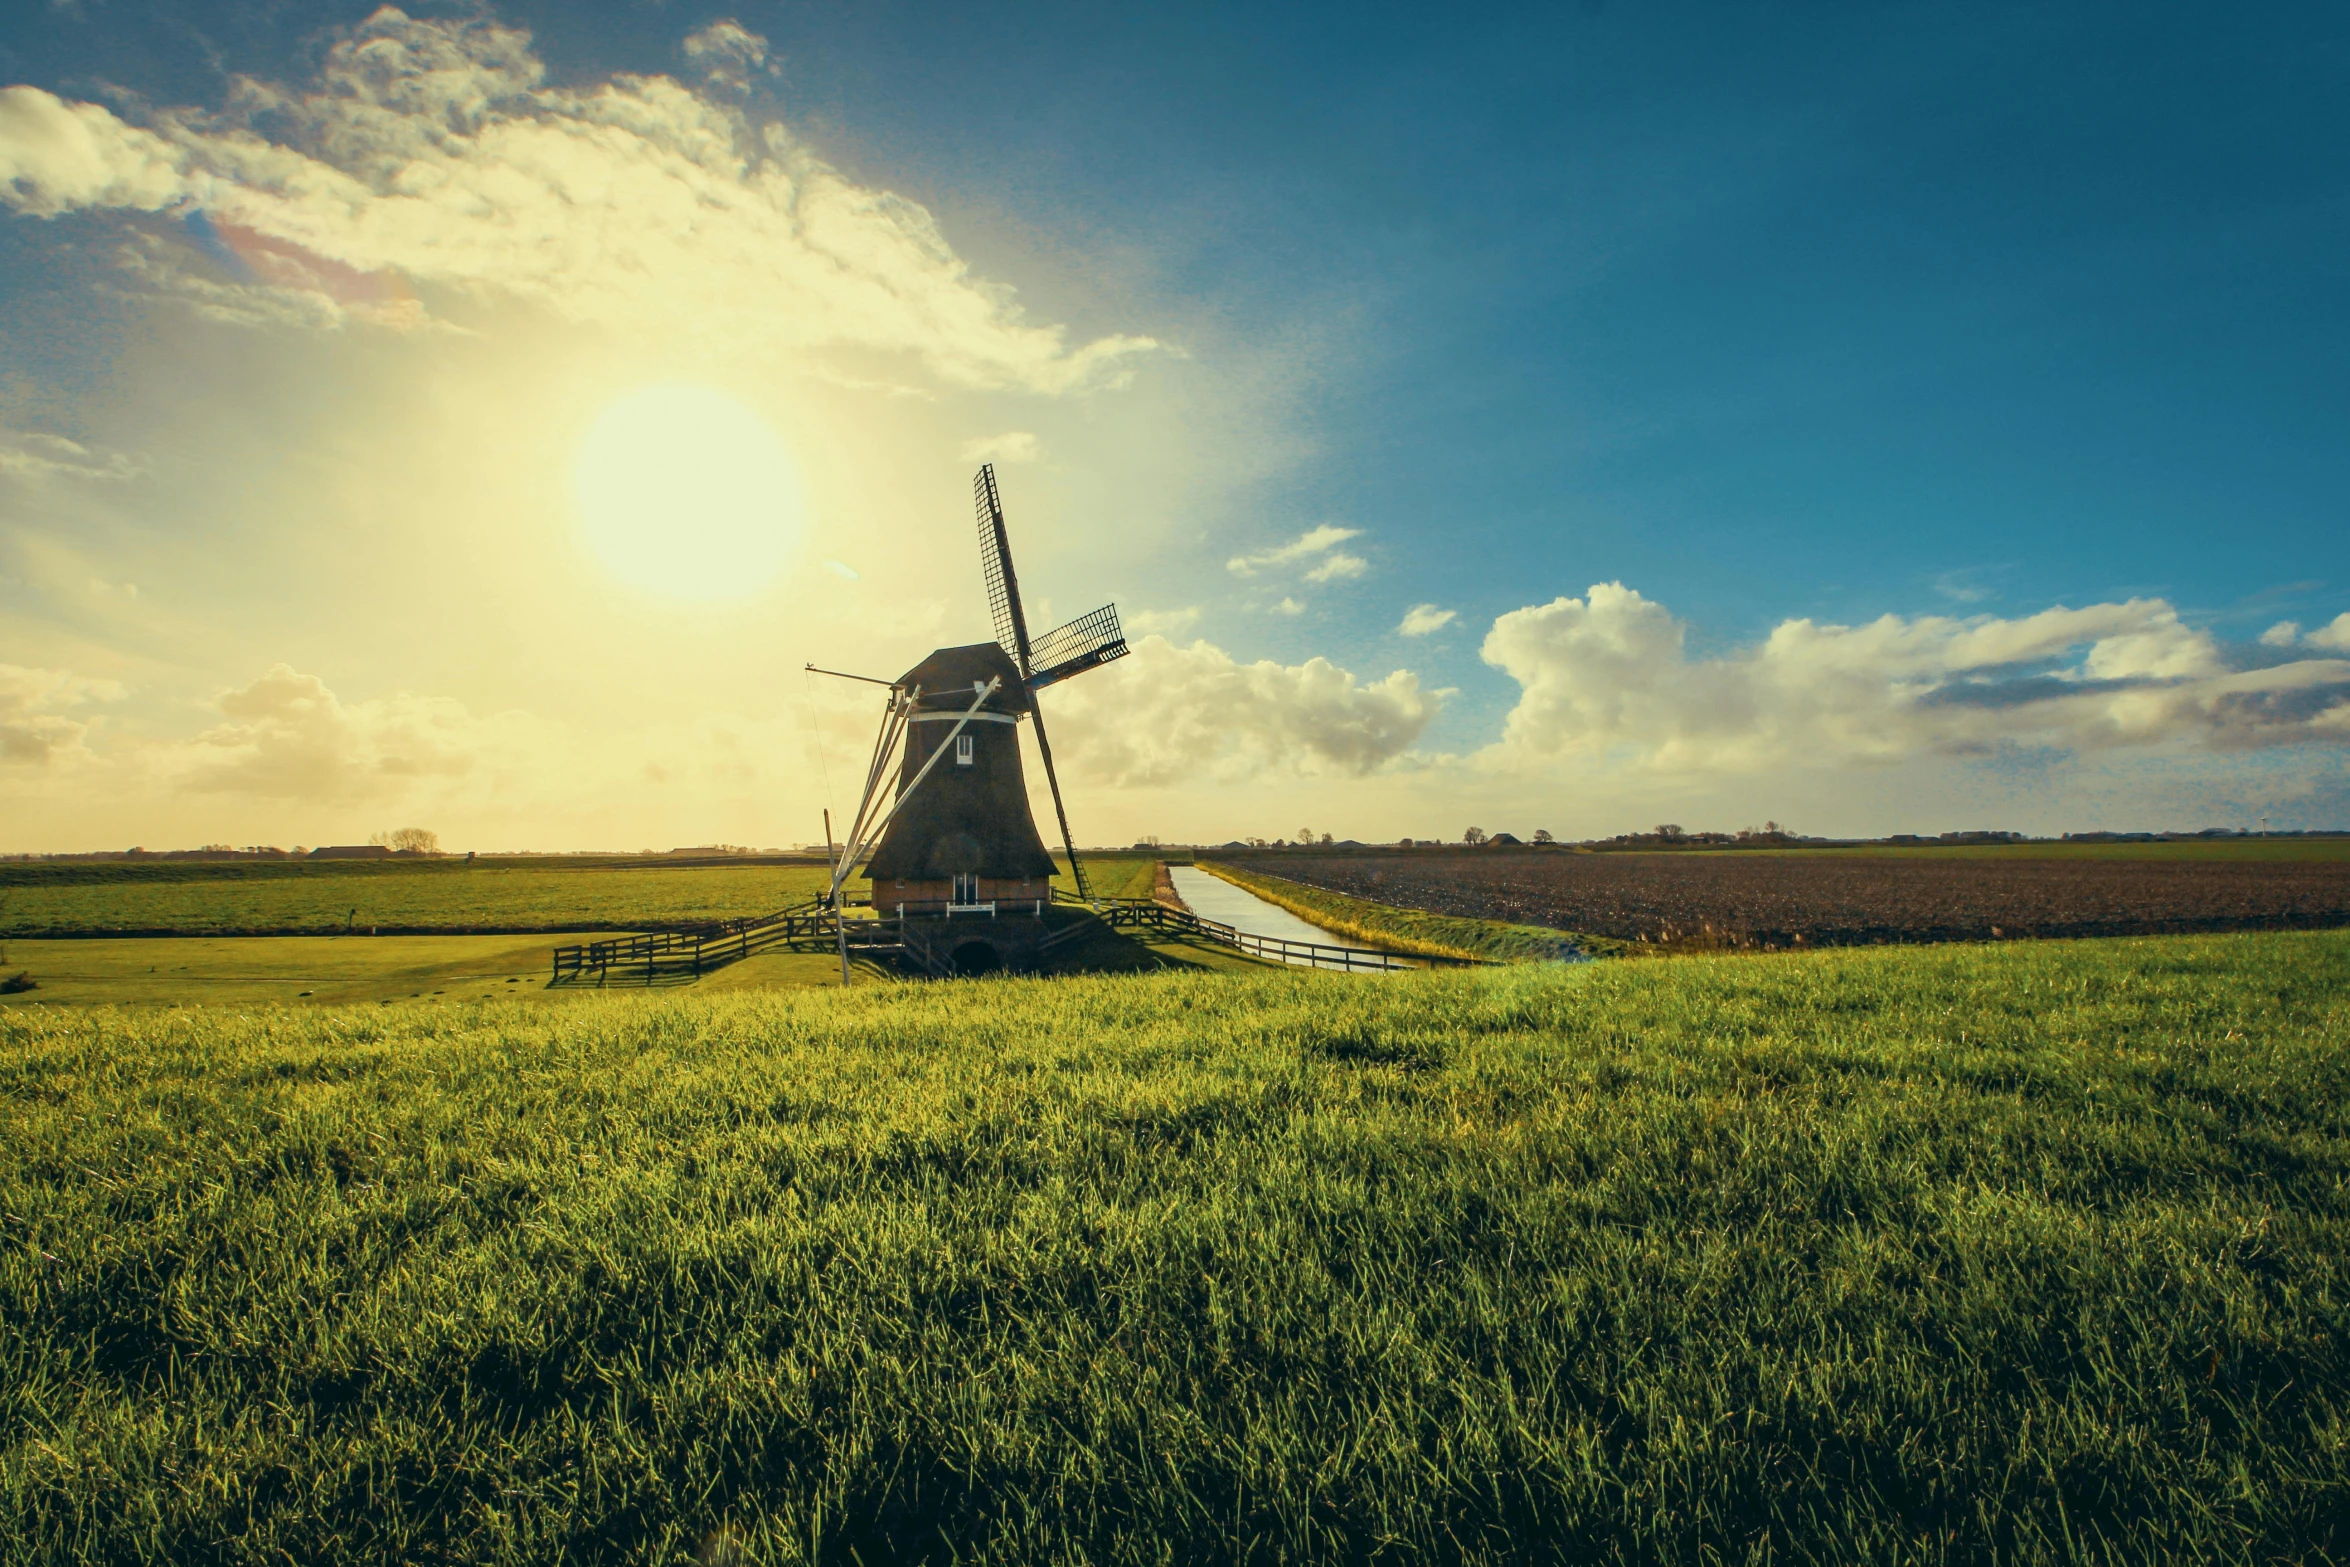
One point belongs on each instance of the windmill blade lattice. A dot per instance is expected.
(995, 564)
(1082, 644)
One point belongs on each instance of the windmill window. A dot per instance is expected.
(966, 887)
(962, 750)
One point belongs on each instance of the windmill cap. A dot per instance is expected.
(952, 676)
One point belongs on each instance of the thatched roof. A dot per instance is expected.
(951, 677)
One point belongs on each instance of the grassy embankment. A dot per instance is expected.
(1414, 930)
(2024, 1253)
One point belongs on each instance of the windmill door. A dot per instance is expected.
(966, 887)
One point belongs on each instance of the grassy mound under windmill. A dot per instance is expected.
(1968, 1253)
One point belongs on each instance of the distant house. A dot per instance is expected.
(352, 851)
(1503, 840)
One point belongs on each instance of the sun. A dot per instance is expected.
(684, 492)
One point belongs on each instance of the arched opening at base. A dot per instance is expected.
(976, 957)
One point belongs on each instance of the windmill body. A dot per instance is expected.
(957, 844)
(965, 841)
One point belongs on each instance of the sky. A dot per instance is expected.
(1869, 419)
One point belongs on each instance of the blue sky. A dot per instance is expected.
(1772, 315)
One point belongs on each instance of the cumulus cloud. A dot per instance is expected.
(2335, 635)
(1011, 446)
(1339, 567)
(27, 454)
(1289, 606)
(1423, 619)
(434, 152)
(1608, 676)
(2283, 634)
(1300, 548)
(35, 727)
(286, 736)
(1172, 713)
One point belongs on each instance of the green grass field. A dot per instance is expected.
(417, 898)
(215, 971)
(1961, 1254)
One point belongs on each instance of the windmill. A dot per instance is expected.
(957, 840)
(1083, 644)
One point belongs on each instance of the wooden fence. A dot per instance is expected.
(686, 955)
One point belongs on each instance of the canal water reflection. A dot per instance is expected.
(1212, 899)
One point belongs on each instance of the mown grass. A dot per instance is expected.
(197, 898)
(1110, 875)
(1414, 930)
(1962, 1254)
(254, 970)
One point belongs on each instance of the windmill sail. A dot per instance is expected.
(995, 563)
(1011, 629)
(1076, 647)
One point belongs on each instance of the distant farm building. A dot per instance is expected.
(352, 851)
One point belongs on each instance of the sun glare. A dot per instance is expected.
(685, 492)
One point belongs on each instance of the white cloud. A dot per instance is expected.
(2335, 634)
(57, 156)
(1011, 446)
(434, 152)
(28, 454)
(727, 50)
(1423, 619)
(1305, 544)
(1337, 567)
(286, 736)
(1169, 713)
(35, 730)
(1166, 622)
(1289, 606)
(1606, 676)
(2283, 634)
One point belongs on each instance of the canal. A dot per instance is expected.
(1214, 899)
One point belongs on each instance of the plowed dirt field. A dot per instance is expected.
(1745, 899)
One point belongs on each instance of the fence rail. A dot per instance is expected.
(690, 953)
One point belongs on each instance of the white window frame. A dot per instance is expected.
(966, 888)
(963, 750)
